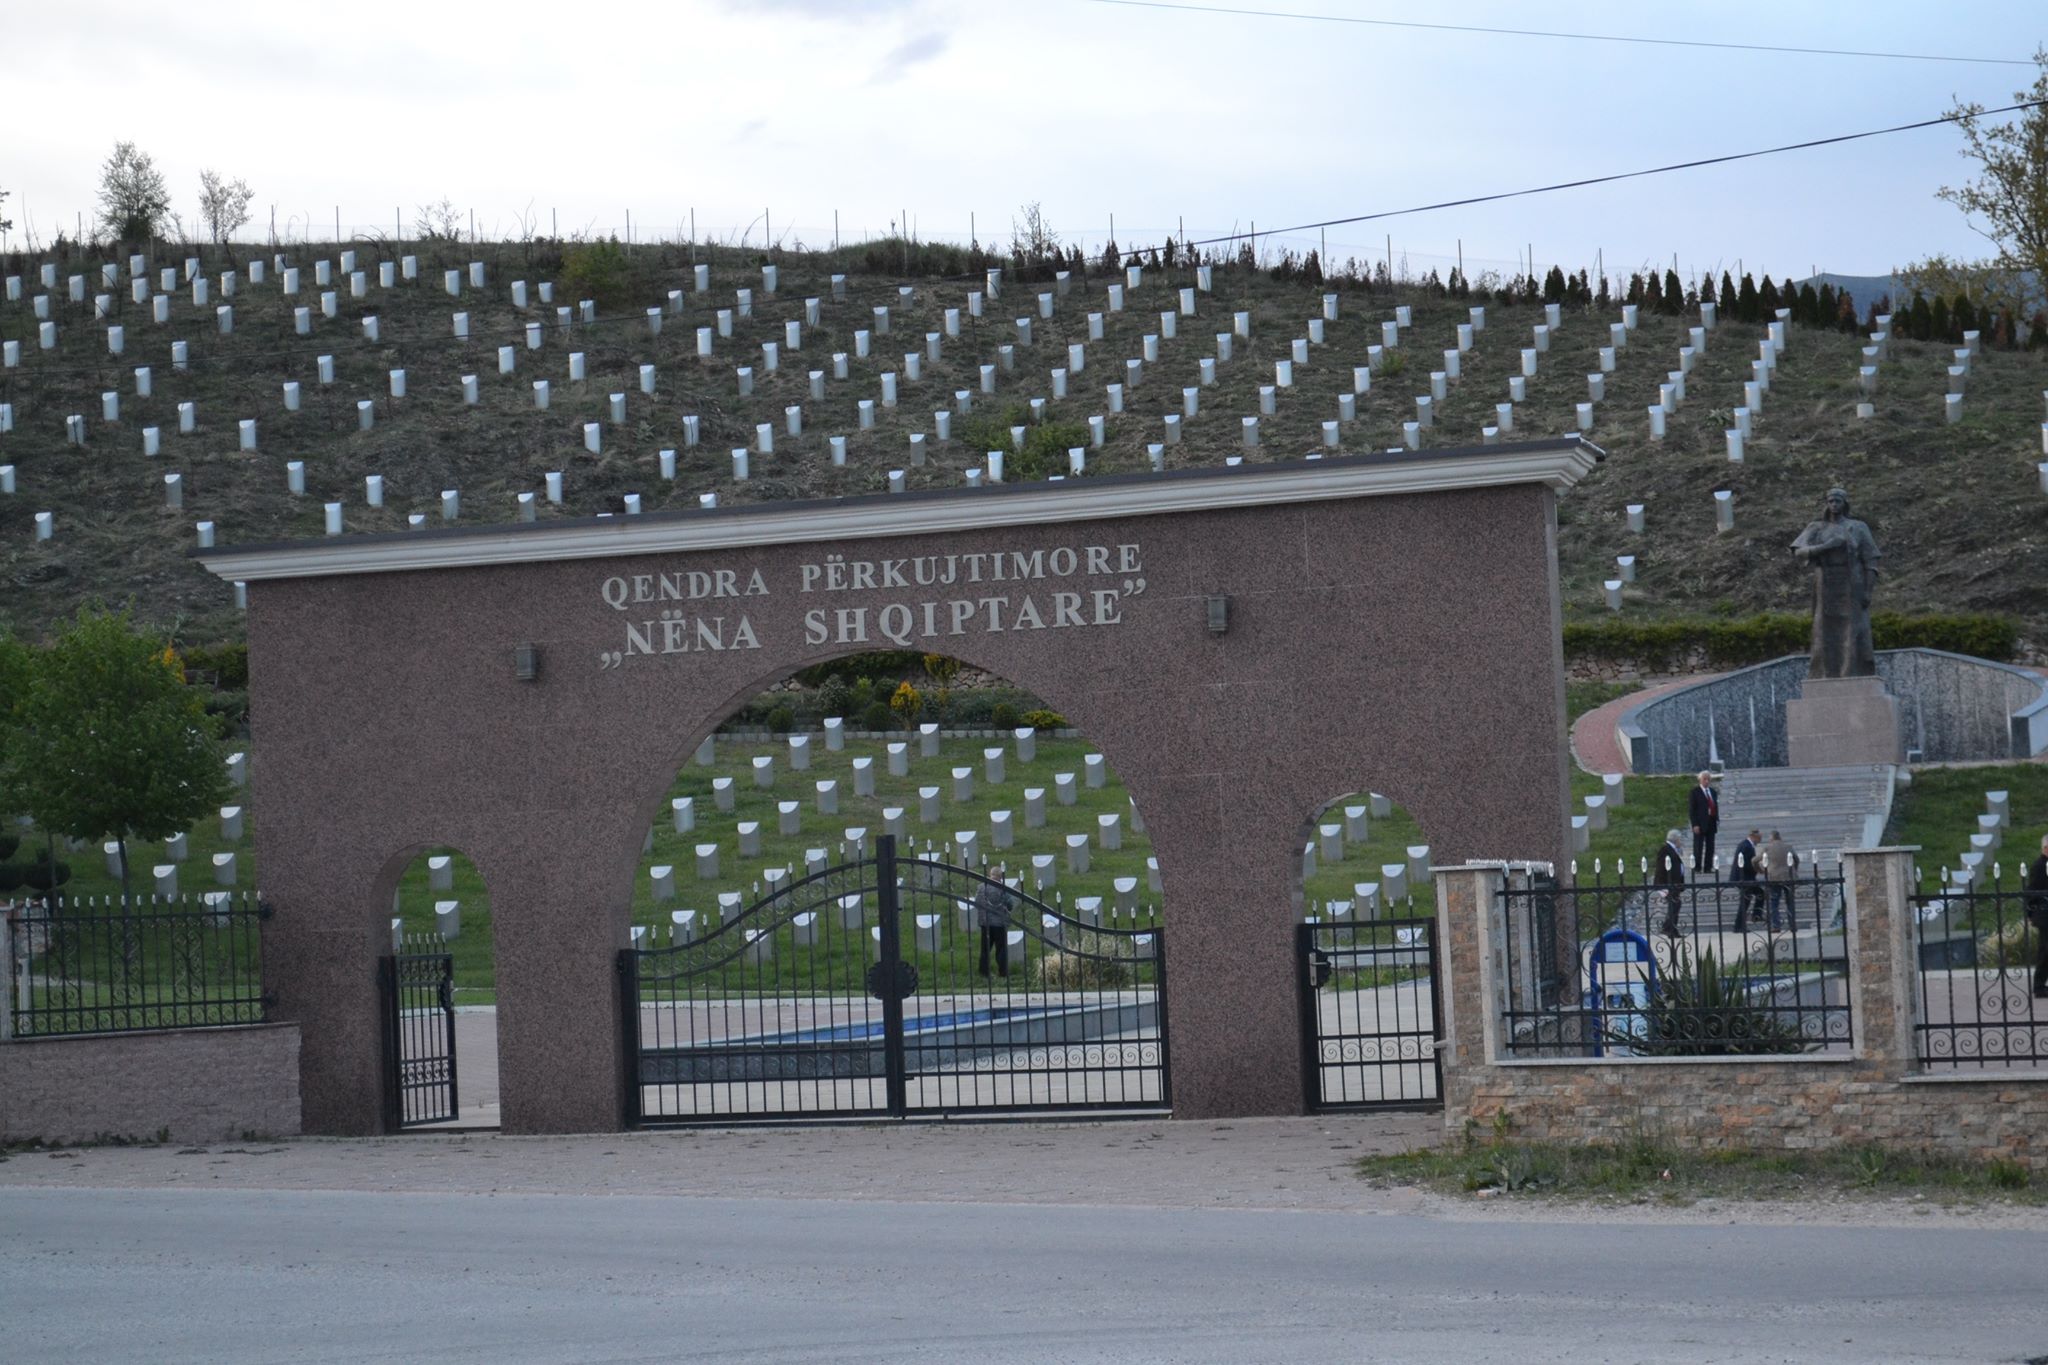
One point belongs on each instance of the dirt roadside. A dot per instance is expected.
(1303, 1164)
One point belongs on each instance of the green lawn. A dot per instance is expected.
(1583, 696)
(1388, 839)
(1633, 833)
(92, 879)
(1939, 811)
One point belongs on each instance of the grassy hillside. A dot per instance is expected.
(1957, 508)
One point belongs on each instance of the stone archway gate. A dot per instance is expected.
(1239, 642)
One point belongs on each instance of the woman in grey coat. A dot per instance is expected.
(992, 905)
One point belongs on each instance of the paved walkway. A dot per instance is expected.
(1595, 747)
(1230, 1163)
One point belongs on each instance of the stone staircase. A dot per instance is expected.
(1820, 811)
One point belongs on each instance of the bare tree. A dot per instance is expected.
(133, 196)
(1031, 237)
(2008, 203)
(440, 222)
(223, 205)
(6, 224)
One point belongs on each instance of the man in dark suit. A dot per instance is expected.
(1670, 875)
(1705, 815)
(2037, 911)
(1749, 875)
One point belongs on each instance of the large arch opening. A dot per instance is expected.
(900, 823)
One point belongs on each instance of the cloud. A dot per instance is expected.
(904, 56)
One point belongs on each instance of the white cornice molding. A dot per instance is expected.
(1558, 464)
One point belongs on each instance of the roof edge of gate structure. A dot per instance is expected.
(1557, 463)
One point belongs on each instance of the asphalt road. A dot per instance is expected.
(226, 1275)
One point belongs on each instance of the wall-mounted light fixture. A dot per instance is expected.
(1219, 614)
(525, 662)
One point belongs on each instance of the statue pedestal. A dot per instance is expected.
(1840, 721)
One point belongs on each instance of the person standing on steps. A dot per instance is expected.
(2037, 914)
(1746, 871)
(1670, 875)
(1781, 865)
(992, 912)
(1705, 815)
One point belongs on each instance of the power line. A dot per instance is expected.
(1623, 175)
(1549, 33)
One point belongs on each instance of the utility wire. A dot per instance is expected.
(1623, 175)
(1548, 33)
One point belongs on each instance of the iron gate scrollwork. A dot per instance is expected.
(1370, 1015)
(871, 988)
(418, 986)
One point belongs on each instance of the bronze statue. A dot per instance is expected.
(1844, 557)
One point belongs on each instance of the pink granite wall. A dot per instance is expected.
(191, 1085)
(1410, 642)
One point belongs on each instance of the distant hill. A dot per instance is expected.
(1867, 289)
(1958, 508)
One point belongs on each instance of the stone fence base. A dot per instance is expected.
(182, 1085)
(1876, 1093)
(1741, 1104)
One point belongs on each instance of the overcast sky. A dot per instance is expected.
(943, 109)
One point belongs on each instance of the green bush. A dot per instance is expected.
(834, 698)
(42, 875)
(893, 256)
(878, 716)
(230, 710)
(1044, 720)
(597, 270)
(977, 706)
(1003, 716)
(1667, 646)
(879, 663)
(226, 665)
(1045, 450)
(1703, 1010)
(1987, 637)
(782, 718)
(1045, 447)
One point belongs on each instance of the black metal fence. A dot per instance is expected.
(104, 965)
(1706, 968)
(1370, 1016)
(1981, 1004)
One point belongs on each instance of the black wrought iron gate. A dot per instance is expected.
(1371, 1015)
(872, 988)
(419, 1033)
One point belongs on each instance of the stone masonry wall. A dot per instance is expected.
(193, 1085)
(1877, 1094)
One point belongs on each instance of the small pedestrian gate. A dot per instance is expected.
(419, 1033)
(1371, 1016)
(871, 988)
